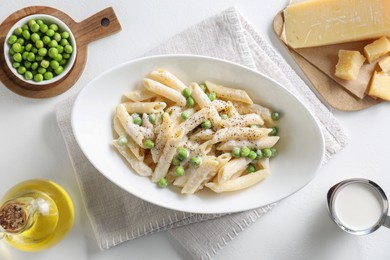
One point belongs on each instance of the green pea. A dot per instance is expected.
(212, 96)
(176, 161)
(24, 55)
(236, 152)
(182, 153)
(152, 118)
(12, 39)
(224, 117)
(43, 28)
(28, 75)
(53, 27)
(26, 34)
(35, 28)
(53, 43)
(38, 77)
(54, 64)
(122, 141)
(62, 62)
(34, 66)
(136, 120)
(31, 57)
(17, 57)
(60, 49)
(28, 47)
(66, 55)
(59, 57)
(42, 52)
(275, 116)
(57, 37)
(17, 47)
(27, 64)
(45, 64)
(185, 115)
(18, 31)
(41, 70)
(251, 168)
(48, 75)
(31, 22)
(267, 153)
(195, 161)
(206, 124)
(11, 52)
(190, 102)
(148, 144)
(179, 171)
(46, 39)
(50, 33)
(65, 35)
(202, 86)
(274, 131)
(255, 126)
(245, 151)
(274, 152)
(252, 155)
(39, 22)
(20, 41)
(16, 65)
(38, 58)
(21, 70)
(39, 44)
(53, 52)
(25, 27)
(259, 154)
(186, 92)
(68, 49)
(34, 50)
(163, 183)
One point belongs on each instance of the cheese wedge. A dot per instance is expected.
(384, 64)
(380, 85)
(349, 64)
(377, 49)
(323, 22)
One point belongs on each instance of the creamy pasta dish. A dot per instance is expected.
(195, 136)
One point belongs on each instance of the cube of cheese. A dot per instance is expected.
(384, 64)
(349, 64)
(377, 49)
(380, 85)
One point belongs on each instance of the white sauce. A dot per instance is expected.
(358, 206)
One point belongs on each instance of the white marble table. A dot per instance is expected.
(31, 146)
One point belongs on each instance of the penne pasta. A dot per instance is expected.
(229, 93)
(203, 135)
(199, 96)
(239, 183)
(139, 94)
(230, 168)
(263, 142)
(160, 89)
(168, 79)
(164, 134)
(195, 120)
(242, 120)
(144, 107)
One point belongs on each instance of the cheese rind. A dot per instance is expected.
(380, 85)
(384, 64)
(377, 49)
(349, 64)
(323, 22)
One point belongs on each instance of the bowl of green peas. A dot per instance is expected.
(40, 49)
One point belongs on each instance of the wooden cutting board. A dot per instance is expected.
(332, 92)
(99, 25)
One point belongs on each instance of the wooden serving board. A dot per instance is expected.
(99, 25)
(332, 92)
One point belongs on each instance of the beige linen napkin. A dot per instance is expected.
(117, 216)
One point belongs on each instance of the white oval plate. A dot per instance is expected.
(301, 146)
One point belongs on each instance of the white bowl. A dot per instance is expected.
(301, 146)
(48, 19)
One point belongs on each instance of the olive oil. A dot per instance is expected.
(35, 215)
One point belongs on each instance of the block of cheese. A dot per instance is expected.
(384, 64)
(324, 22)
(380, 85)
(377, 49)
(349, 64)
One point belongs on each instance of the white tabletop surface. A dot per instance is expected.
(297, 228)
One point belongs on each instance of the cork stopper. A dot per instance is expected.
(13, 216)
